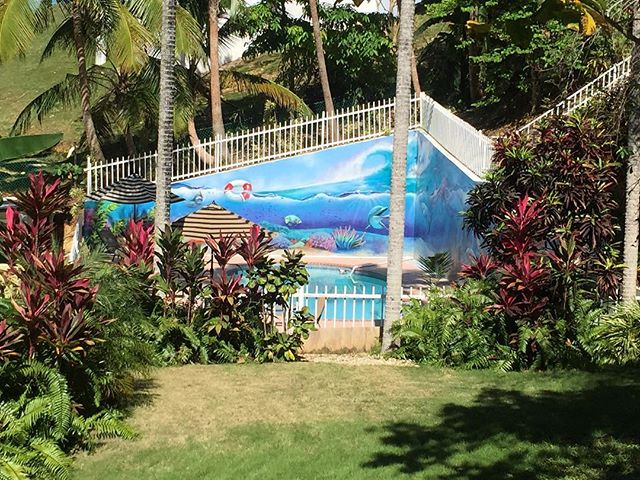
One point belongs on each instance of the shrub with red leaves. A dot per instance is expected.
(569, 167)
(53, 296)
(546, 219)
(136, 245)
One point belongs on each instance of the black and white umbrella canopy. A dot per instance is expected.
(131, 190)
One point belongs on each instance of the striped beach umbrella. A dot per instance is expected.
(130, 191)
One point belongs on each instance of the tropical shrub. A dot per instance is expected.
(453, 327)
(64, 361)
(615, 340)
(436, 266)
(546, 219)
(217, 313)
(136, 245)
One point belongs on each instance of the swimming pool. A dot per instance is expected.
(342, 295)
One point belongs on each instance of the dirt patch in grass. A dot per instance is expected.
(204, 402)
(357, 359)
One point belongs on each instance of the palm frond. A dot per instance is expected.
(18, 26)
(61, 95)
(255, 84)
(189, 38)
(60, 39)
(127, 41)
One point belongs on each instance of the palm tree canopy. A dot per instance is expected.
(127, 29)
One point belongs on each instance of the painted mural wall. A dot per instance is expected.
(442, 188)
(332, 202)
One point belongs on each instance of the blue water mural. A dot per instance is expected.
(442, 189)
(337, 200)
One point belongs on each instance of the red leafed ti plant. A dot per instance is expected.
(53, 297)
(545, 216)
(136, 245)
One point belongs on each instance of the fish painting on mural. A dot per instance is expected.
(292, 220)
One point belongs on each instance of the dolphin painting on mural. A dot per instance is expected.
(376, 216)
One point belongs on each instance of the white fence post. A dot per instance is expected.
(89, 175)
(217, 152)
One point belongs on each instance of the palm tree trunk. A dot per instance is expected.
(415, 79)
(322, 66)
(197, 144)
(475, 90)
(83, 78)
(215, 90)
(165, 122)
(399, 172)
(632, 205)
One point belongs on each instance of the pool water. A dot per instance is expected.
(347, 297)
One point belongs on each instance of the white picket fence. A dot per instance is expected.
(599, 85)
(300, 136)
(355, 306)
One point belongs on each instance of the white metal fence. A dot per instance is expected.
(355, 306)
(300, 136)
(468, 145)
(581, 97)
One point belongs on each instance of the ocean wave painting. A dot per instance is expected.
(337, 200)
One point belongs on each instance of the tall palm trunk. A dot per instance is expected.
(215, 92)
(399, 171)
(415, 78)
(165, 123)
(83, 78)
(632, 205)
(322, 66)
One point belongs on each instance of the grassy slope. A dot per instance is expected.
(21, 80)
(323, 421)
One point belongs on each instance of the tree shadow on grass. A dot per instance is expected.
(587, 433)
(144, 394)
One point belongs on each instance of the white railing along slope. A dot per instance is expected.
(258, 145)
(297, 137)
(599, 85)
(461, 140)
(466, 144)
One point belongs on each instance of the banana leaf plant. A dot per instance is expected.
(21, 155)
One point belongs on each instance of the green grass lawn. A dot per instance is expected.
(329, 421)
(23, 79)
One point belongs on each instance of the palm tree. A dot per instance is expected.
(632, 205)
(215, 89)
(165, 122)
(126, 104)
(322, 66)
(124, 29)
(85, 93)
(20, 21)
(399, 171)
